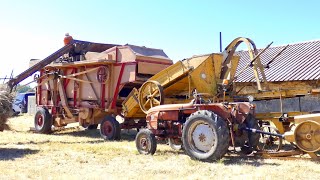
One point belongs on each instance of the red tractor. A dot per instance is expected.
(204, 129)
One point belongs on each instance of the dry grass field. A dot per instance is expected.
(76, 153)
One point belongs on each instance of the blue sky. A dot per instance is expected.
(35, 29)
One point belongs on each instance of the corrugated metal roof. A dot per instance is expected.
(300, 61)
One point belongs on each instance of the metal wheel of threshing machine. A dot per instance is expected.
(205, 136)
(110, 128)
(267, 142)
(150, 95)
(307, 136)
(43, 121)
(146, 142)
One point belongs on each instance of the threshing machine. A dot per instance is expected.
(86, 82)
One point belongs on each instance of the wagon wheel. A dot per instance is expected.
(43, 121)
(110, 128)
(270, 143)
(150, 95)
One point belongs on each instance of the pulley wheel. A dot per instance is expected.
(102, 74)
(307, 136)
(150, 95)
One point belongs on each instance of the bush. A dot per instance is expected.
(6, 100)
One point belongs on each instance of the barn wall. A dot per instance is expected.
(288, 88)
(300, 104)
(297, 98)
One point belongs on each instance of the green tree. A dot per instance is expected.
(23, 89)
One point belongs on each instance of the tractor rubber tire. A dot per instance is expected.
(146, 142)
(110, 129)
(43, 121)
(205, 136)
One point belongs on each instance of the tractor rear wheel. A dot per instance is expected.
(146, 142)
(43, 121)
(110, 128)
(205, 136)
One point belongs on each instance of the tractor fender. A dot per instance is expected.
(241, 111)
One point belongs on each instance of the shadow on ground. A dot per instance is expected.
(127, 135)
(7, 154)
(243, 160)
(78, 133)
(228, 159)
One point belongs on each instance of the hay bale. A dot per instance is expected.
(6, 100)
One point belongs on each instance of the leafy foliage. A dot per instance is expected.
(23, 89)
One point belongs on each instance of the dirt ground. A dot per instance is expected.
(76, 153)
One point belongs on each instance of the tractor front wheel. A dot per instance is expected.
(205, 136)
(146, 142)
(43, 121)
(110, 128)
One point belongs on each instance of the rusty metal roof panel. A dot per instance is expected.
(300, 61)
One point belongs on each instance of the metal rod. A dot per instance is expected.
(11, 75)
(4, 79)
(271, 61)
(281, 104)
(220, 42)
(36, 67)
(262, 132)
(254, 59)
(258, 55)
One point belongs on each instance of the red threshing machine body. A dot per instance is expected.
(89, 81)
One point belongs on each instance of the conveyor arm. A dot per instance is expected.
(76, 45)
(13, 82)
